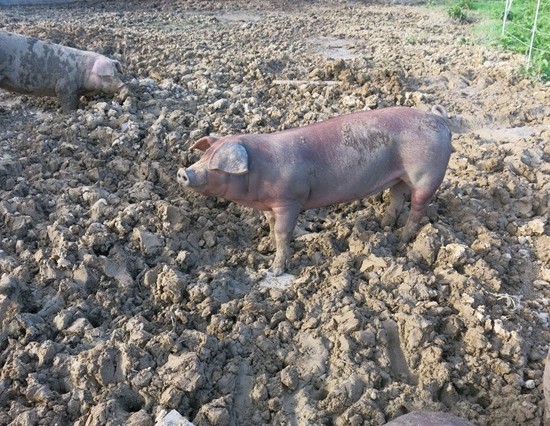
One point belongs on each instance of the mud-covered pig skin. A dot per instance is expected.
(30, 66)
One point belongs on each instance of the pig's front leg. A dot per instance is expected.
(285, 222)
(67, 94)
(270, 217)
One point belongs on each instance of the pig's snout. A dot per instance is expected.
(183, 177)
(191, 178)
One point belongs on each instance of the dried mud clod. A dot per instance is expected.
(123, 297)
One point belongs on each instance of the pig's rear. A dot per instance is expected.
(358, 155)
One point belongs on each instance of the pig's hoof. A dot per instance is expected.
(277, 268)
(275, 271)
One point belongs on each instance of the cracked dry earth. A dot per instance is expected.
(122, 296)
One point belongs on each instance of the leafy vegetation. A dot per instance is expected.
(517, 29)
(457, 13)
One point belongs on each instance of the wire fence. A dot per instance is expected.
(533, 31)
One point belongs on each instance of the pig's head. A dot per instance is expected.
(103, 77)
(221, 161)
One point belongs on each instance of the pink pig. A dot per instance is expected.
(342, 159)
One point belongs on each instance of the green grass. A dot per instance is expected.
(487, 17)
(457, 12)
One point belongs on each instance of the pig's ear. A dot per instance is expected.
(231, 158)
(204, 143)
(102, 67)
(117, 65)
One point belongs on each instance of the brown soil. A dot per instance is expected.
(123, 297)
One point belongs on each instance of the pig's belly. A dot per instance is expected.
(254, 204)
(345, 193)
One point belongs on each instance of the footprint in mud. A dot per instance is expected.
(428, 418)
(399, 366)
(281, 282)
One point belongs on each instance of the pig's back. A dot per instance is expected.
(347, 157)
(34, 66)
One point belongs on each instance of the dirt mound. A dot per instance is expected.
(123, 297)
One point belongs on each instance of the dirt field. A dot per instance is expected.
(122, 296)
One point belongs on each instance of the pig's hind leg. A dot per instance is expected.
(423, 189)
(420, 198)
(398, 193)
(286, 218)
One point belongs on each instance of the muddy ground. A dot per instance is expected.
(123, 297)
